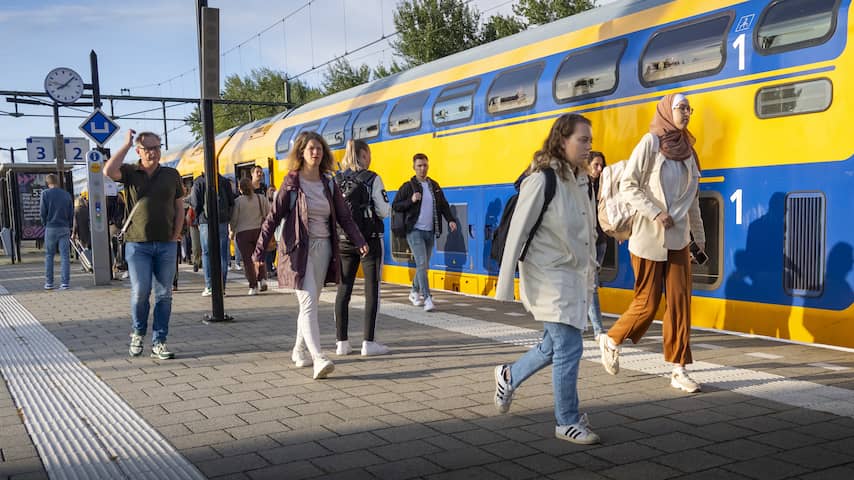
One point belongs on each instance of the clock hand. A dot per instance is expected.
(66, 83)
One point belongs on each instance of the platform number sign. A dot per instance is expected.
(41, 149)
(75, 149)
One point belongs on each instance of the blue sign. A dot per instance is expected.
(99, 127)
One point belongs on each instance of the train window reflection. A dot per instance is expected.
(367, 123)
(590, 72)
(311, 127)
(792, 24)
(684, 52)
(708, 276)
(333, 132)
(283, 144)
(454, 104)
(514, 90)
(794, 98)
(406, 114)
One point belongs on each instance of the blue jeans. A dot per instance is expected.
(149, 261)
(421, 244)
(594, 313)
(223, 252)
(562, 347)
(57, 238)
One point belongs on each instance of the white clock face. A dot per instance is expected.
(64, 85)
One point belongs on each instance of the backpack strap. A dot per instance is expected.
(551, 186)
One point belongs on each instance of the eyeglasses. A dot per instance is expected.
(684, 109)
(155, 148)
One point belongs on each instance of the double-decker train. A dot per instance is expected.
(768, 82)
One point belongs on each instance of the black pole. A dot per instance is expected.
(165, 130)
(211, 190)
(12, 154)
(59, 146)
(96, 88)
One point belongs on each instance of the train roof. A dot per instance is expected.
(531, 35)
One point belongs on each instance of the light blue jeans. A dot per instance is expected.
(57, 238)
(151, 262)
(421, 244)
(595, 311)
(224, 253)
(561, 347)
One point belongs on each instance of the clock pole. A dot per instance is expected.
(60, 146)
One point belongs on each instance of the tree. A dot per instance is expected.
(341, 75)
(381, 70)
(262, 85)
(539, 12)
(431, 29)
(499, 26)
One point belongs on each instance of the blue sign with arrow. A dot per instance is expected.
(99, 127)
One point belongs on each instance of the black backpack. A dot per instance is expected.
(356, 189)
(499, 238)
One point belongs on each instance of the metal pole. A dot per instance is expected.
(12, 154)
(211, 191)
(98, 221)
(60, 146)
(165, 130)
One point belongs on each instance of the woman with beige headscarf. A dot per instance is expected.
(661, 181)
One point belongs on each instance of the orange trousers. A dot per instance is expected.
(650, 276)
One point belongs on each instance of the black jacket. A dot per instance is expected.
(226, 199)
(403, 203)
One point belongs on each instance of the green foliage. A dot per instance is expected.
(341, 75)
(431, 29)
(499, 26)
(381, 70)
(539, 12)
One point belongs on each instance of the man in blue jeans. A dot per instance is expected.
(226, 204)
(57, 212)
(423, 204)
(151, 231)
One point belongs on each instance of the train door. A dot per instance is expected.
(243, 170)
(454, 257)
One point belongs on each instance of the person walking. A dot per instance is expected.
(595, 166)
(154, 196)
(258, 185)
(661, 181)
(310, 204)
(366, 196)
(226, 203)
(56, 209)
(556, 276)
(250, 210)
(80, 230)
(423, 204)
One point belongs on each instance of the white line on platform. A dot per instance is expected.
(766, 356)
(707, 346)
(828, 366)
(80, 427)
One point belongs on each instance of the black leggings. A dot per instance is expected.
(371, 265)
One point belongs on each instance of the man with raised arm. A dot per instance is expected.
(151, 231)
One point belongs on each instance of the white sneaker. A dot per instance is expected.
(253, 291)
(680, 379)
(342, 347)
(301, 357)
(610, 356)
(322, 367)
(207, 292)
(370, 349)
(577, 432)
(428, 304)
(503, 390)
(416, 299)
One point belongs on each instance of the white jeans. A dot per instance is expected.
(308, 330)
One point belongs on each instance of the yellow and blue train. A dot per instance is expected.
(767, 80)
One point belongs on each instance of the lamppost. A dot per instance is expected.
(12, 151)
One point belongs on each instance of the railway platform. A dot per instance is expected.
(231, 405)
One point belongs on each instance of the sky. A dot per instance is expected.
(150, 49)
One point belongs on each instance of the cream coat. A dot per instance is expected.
(647, 197)
(556, 278)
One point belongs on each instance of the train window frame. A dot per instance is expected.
(718, 255)
(419, 110)
(287, 148)
(756, 100)
(376, 109)
(534, 66)
(309, 127)
(342, 130)
(724, 50)
(622, 41)
(813, 42)
(474, 84)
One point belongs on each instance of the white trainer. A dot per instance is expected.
(680, 379)
(301, 357)
(253, 291)
(416, 299)
(342, 347)
(370, 349)
(207, 292)
(577, 432)
(610, 354)
(503, 390)
(322, 367)
(428, 304)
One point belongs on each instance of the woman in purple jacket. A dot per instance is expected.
(310, 203)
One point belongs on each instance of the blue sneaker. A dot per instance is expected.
(48, 286)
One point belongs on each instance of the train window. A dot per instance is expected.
(610, 264)
(367, 123)
(454, 104)
(311, 127)
(400, 250)
(514, 90)
(406, 114)
(685, 51)
(708, 276)
(805, 243)
(794, 98)
(333, 132)
(589, 73)
(793, 24)
(283, 144)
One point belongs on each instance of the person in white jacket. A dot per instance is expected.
(661, 181)
(556, 276)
